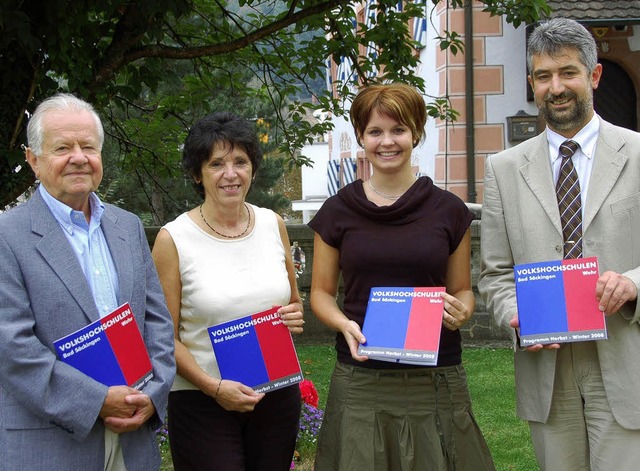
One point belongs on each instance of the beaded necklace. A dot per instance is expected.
(223, 235)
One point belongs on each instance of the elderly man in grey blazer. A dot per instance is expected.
(582, 400)
(67, 259)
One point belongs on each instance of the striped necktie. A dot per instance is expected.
(569, 204)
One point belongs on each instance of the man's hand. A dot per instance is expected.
(613, 290)
(515, 323)
(125, 409)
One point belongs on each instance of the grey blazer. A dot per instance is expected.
(49, 410)
(521, 224)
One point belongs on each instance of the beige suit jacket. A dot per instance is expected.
(521, 224)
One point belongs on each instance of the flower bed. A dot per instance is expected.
(310, 421)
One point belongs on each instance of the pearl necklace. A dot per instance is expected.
(227, 236)
(385, 196)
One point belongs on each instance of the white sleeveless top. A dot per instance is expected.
(224, 280)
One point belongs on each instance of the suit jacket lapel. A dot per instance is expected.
(120, 249)
(536, 172)
(607, 166)
(56, 250)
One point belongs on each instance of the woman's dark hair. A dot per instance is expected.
(219, 127)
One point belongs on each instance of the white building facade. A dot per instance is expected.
(492, 70)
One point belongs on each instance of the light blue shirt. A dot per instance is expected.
(90, 246)
(582, 159)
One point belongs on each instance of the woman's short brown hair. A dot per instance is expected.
(398, 101)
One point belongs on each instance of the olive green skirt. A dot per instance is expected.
(400, 420)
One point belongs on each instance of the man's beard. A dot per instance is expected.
(569, 119)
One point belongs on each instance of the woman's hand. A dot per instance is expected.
(354, 337)
(234, 396)
(292, 317)
(456, 313)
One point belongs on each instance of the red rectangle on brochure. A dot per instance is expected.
(580, 297)
(279, 356)
(425, 316)
(127, 344)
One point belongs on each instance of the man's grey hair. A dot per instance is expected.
(58, 102)
(554, 35)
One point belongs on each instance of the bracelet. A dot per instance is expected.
(218, 389)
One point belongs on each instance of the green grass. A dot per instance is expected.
(491, 385)
(316, 362)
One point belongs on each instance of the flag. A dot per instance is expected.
(420, 26)
(339, 175)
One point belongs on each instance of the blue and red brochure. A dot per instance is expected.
(557, 302)
(402, 325)
(110, 350)
(257, 351)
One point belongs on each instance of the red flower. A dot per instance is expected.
(309, 393)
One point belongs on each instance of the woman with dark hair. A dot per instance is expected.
(394, 230)
(223, 260)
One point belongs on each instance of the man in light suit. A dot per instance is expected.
(582, 400)
(67, 259)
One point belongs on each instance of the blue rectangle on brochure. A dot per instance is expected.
(544, 303)
(96, 357)
(240, 356)
(390, 321)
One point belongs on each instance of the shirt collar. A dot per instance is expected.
(67, 217)
(586, 138)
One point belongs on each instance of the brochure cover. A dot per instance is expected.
(402, 324)
(256, 350)
(557, 302)
(110, 350)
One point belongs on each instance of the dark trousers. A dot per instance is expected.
(203, 436)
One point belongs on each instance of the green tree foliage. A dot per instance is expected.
(260, 194)
(152, 67)
(143, 174)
